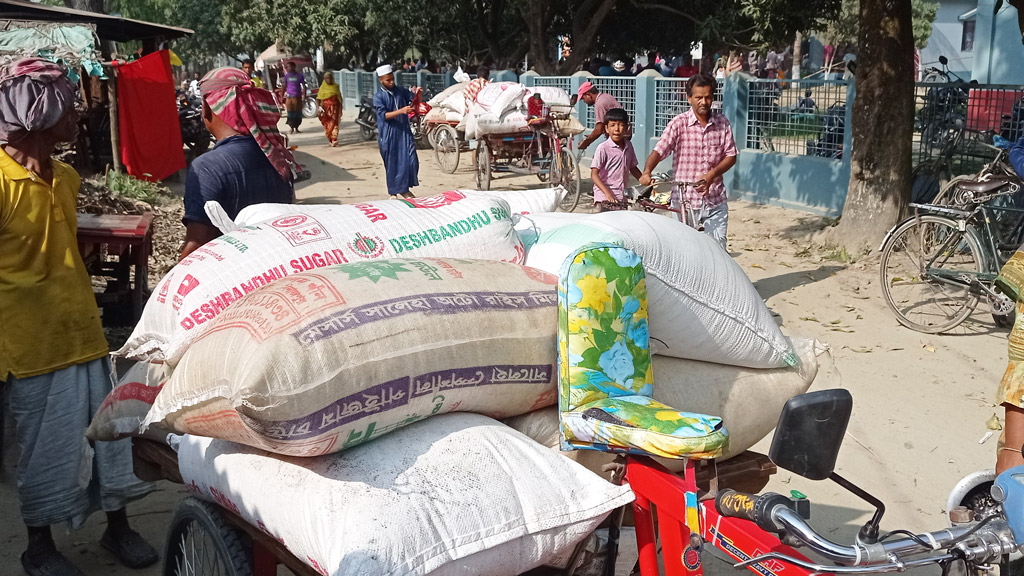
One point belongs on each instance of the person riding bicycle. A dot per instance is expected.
(614, 162)
(703, 149)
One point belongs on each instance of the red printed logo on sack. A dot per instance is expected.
(443, 199)
(187, 285)
(366, 246)
(300, 229)
(540, 276)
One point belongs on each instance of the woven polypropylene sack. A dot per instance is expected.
(322, 361)
(498, 98)
(123, 410)
(205, 283)
(703, 306)
(457, 494)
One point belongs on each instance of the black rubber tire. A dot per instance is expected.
(310, 107)
(231, 548)
(483, 165)
(447, 148)
(905, 229)
(569, 178)
(1005, 320)
(368, 133)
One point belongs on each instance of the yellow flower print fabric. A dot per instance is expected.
(605, 375)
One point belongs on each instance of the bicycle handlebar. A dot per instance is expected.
(980, 542)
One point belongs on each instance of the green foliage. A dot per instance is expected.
(121, 184)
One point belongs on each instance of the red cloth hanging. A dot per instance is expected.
(147, 113)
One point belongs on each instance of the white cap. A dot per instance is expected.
(384, 70)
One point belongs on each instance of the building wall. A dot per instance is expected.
(999, 53)
(947, 33)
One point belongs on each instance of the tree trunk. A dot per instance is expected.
(797, 55)
(883, 121)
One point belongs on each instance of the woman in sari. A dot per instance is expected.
(329, 97)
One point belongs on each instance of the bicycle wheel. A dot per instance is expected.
(569, 178)
(483, 165)
(916, 255)
(201, 542)
(447, 148)
(947, 195)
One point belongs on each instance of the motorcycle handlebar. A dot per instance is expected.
(980, 542)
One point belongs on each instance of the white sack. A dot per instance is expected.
(322, 361)
(500, 97)
(443, 95)
(533, 201)
(457, 494)
(123, 410)
(703, 305)
(455, 102)
(550, 94)
(203, 285)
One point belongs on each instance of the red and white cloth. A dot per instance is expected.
(695, 150)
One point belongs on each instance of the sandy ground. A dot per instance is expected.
(921, 402)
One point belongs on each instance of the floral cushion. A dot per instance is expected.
(605, 376)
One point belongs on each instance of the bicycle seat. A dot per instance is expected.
(983, 187)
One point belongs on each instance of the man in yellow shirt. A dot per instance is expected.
(52, 348)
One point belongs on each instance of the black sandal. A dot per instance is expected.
(131, 549)
(53, 564)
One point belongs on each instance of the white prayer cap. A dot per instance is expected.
(384, 70)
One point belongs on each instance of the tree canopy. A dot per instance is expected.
(469, 31)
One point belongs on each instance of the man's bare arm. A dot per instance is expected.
(197, 234)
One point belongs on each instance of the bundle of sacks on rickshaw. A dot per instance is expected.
(502, 108)
(360, 357)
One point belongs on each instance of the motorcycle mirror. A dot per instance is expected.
(810, 433)
(943, 60)
(575, 98)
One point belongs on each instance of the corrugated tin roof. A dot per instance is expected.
(107, 27)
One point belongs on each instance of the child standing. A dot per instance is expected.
(614, 161)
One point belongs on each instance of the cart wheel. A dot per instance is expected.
(447, 148)
(201, 542)
(569, 178)
(483, 166)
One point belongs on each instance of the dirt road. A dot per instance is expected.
(920, 402)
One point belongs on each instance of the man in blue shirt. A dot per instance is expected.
(393, 104)
(251, 163)
(1017, 156)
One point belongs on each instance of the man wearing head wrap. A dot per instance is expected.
(251, 162)
(602, 103)
(53, 353)
(393, 105)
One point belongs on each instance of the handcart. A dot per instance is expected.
(545, 151)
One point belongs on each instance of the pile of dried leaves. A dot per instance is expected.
(96, 198)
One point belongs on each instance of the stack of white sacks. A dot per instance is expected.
(499, 108)
(306, 331)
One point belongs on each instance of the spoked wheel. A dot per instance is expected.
(447, 149)
(569, 178)
(201, 543)
(483, 166)
(921, 263)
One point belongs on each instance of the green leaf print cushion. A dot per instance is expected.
(605, 377)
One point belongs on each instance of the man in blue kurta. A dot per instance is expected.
(393, 104)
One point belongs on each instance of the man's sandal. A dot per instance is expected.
(53, 564)
(131, 549)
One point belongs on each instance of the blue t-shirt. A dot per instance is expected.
(1017, 156)
(236, 174)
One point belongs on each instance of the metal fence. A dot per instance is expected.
(670, 100)
(349, 90)
(955, 122)
(563, 82)
(624, 91)
(802, 117)
(407, 79)
(435, 84)
(367, 84)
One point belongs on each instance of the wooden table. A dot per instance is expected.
(129, 237)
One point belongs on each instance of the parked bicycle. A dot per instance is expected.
(939, 263)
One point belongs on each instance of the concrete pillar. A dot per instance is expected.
(527, 78)
(644, 113)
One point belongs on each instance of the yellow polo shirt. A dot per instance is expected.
(48, 314)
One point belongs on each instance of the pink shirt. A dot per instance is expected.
(602, 105)
(613, 164)
(696, 149)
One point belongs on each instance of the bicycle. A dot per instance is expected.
(938, 264)
(649, 199)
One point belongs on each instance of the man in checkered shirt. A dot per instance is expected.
(703, 149)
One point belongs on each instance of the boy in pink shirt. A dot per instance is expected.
(614, 162)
